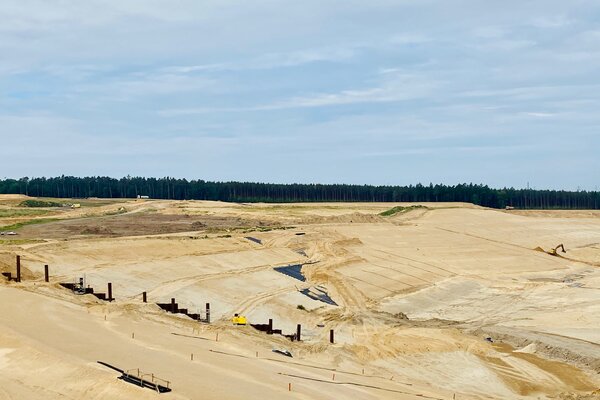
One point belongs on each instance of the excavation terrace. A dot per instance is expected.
(177, 299)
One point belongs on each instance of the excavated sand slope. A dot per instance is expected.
(448, 301)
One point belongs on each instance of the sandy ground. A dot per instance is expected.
(413, 298)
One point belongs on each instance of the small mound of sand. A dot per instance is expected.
(529, 349)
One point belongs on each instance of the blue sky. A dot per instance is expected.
(379, 92)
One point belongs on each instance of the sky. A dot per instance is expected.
(504, 93)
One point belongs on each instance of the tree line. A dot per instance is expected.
(183, 189)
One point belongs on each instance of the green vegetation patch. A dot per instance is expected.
(17, 242)
(13, 212)
(39, 203)
(400, 210)
(19, 225)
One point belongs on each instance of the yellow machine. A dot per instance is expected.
(554, 251)
(239, 320)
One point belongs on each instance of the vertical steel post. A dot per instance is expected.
(173, 305)
(110, 298)
(18, 268)
(270, 331)
(46, 274)
(208, 313)
(298, 331)
(144, 298)
(331, 336)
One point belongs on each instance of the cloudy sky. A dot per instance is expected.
(378, 92)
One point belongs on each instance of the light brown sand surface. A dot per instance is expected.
(414, 297)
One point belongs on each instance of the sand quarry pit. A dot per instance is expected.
(443, 301)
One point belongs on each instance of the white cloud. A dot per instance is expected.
(506, 45)
(490, 32)
(398, 87)
(403, 87)
(146, 84)
(409, 38)
(271, 60)
(556, 21)
(539, 114)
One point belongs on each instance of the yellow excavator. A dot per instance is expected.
(239, 319)
(554, 251)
